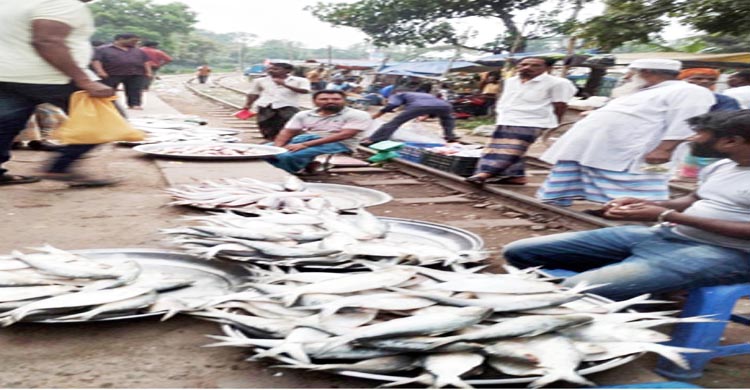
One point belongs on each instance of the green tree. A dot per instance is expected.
(422, 23)
(160, 22)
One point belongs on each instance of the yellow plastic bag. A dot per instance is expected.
(95, 121)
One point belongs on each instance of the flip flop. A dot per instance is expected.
(6, 180)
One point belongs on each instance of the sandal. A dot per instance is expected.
(6, 180)
(476, 179)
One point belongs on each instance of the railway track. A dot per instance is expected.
(517, 199)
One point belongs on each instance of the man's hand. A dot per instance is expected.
(96, 89)
(295, 147)
(658, 156)
(635, 212)
(280, 82)
(626, 201)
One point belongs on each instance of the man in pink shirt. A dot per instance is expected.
(157, 59)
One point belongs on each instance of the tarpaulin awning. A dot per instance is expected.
(432, 68)
(719, 60)
(499, 58)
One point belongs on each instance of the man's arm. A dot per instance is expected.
(559, 108)
(678, 204)
(284, 136)
(291, 87)
(251, 98)
(663, 152)
(99, 69)
(340, 136)
(48, 39)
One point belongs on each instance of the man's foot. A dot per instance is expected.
(366, 142)
(78, 180)
(17, 145)
(313, 168)
(7, 179)
(42, 145)
(515, 181)
(136, 108)
(452, 139)
(478, 179)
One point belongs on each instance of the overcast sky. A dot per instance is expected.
(287, 19)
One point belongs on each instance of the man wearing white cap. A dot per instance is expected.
(616, 150)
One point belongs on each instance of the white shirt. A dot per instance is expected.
(617, 136)
(530, 103)
(311, 122)
(276, 96)
(724, 194)
(742, 94)
(20, 63)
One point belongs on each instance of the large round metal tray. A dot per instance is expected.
(157, 150)
(586, 368)
(345, 197)
(422, 232)
(212, 278)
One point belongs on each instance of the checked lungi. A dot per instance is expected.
(504, 154)
(570, 181)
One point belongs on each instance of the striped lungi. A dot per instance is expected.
(569, 180)
(503, 155)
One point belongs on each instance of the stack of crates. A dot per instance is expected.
(457, 165)
(413, 152)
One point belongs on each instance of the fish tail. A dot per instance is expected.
(673, 354)
(290, 299)
(426, 379)
(454, 381)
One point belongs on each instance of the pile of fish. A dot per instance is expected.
(207, 150)
(54, 284)
(323, 238)
(434, 327)
(250, 195)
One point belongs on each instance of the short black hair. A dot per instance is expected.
(723, 123)
(335, 91)
(150, 43)
(126, 36)
(548, 62)
(743, 74)
(283, 65)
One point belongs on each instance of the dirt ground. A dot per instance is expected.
(150, 354)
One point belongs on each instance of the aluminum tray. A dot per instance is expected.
(422, 232)
(212, 278)
(585, 369)
(345, 197)
(155, 150)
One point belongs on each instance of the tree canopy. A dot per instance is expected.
(420, 22)
(160, 22)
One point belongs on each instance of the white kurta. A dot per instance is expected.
(275, 96)
(617, 136)
(529, 104)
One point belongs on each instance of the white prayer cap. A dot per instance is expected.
(656, 63)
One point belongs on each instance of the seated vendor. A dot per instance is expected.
(331, 128)
(702, 239)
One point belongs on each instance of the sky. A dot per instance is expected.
(287, 19)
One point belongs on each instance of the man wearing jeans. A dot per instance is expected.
(415, 104)
(331, 128)
(46, 52)
(702, 239)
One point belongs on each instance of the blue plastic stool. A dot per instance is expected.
(717, 301)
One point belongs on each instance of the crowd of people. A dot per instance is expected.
(620, 156)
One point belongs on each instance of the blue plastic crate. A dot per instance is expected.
(413, 151)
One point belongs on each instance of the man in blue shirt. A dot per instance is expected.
(415, 104)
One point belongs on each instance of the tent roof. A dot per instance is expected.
(626, 58)
(503, 57)
(431, 68)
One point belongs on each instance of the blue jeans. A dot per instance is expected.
(445, 114)
(633, 260)
(17, 103)
(294, 162)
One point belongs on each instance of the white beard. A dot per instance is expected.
(635, 84)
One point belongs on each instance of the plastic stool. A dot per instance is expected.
(718, 302)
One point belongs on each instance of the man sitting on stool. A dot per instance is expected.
(702, 239)
(331, 128)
